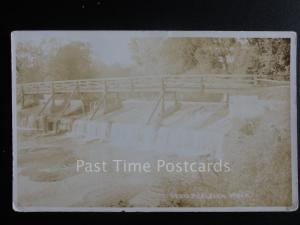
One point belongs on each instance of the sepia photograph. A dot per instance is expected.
(154, 121)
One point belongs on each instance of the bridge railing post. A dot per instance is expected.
(22, 97)
(105, 95)
(255, 79)
(226, 99)
(175, 98)
(132, 85)
(202, 84)
(78, 86)
(52, 94)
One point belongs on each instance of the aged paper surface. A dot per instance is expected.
(154, 121)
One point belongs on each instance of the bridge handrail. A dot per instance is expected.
(188, 78)
(155, 77)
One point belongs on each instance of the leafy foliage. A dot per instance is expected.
(212, 55)
(51, 60)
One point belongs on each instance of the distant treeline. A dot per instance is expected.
(51, 61)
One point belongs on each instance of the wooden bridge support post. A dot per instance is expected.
(81, 97)
(103, 102)
(67, 101)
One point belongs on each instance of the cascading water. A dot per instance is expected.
(89, 130)
(147, 137)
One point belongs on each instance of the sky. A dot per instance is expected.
(107, 47)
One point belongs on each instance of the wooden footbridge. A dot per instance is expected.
(223, 84)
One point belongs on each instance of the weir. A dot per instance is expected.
(203, 134)
(150, 138)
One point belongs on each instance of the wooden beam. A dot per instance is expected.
(97, 108)
(155, 108)
(68, 101)
(82, 102)
(44, 107)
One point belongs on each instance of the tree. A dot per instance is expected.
(270, 57)
(145, 52)
(213, 56)
(181, 55)
(216, 55)
(177, 55)
(30, 63)
(71, 61)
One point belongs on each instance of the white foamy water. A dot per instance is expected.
(151, 138)
(88, 130)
